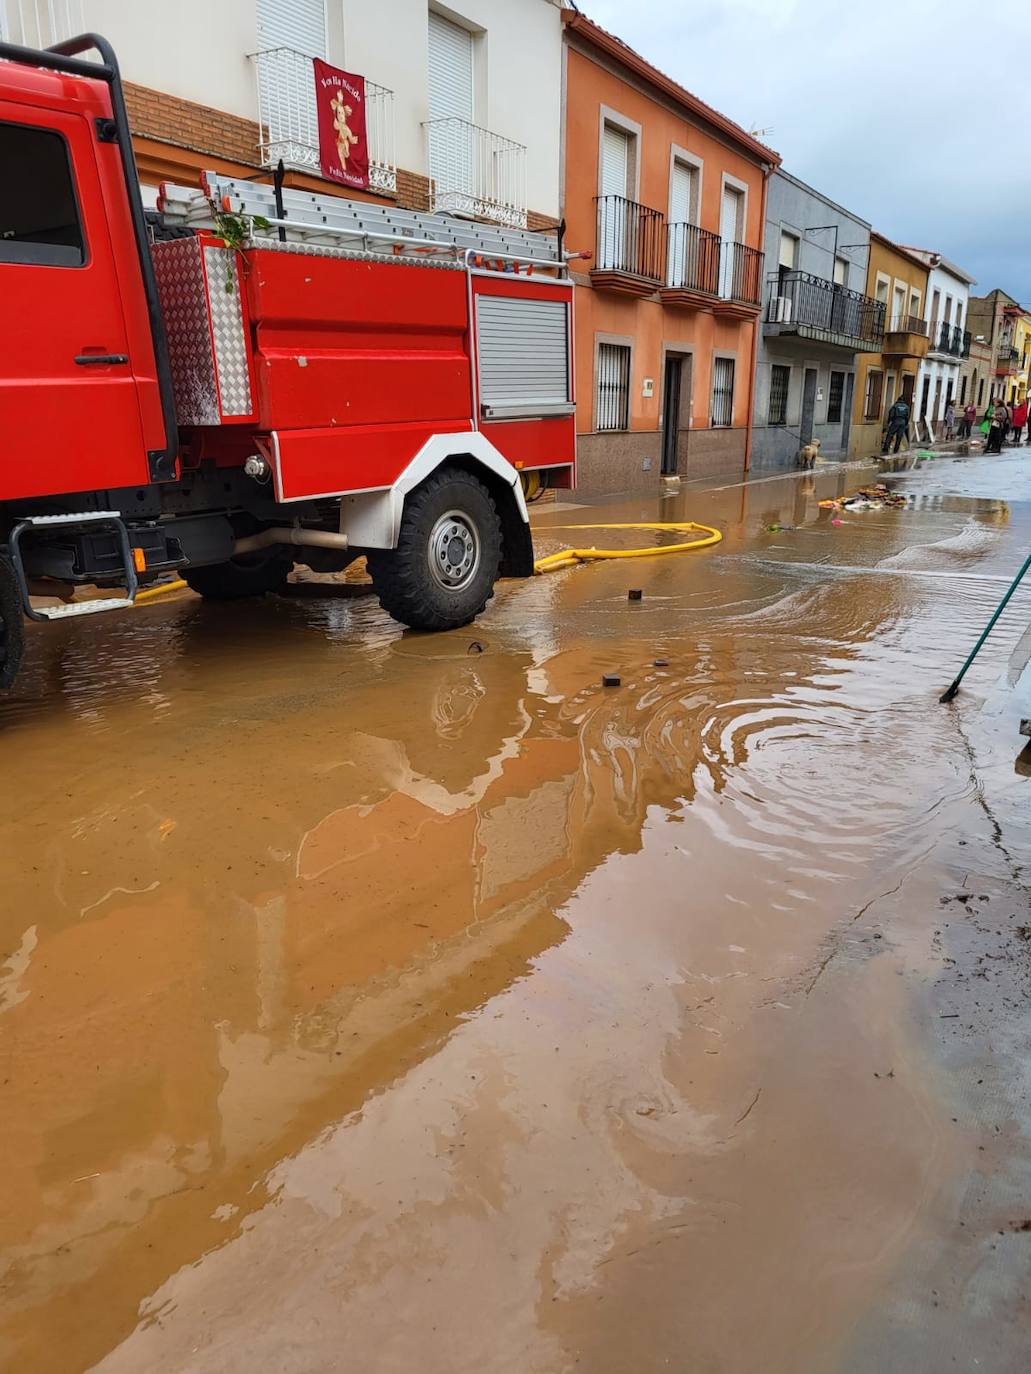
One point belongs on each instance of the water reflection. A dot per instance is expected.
(266, 859)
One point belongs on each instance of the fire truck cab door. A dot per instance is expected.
(69, 405)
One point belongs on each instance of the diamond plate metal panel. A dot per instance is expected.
(184, 304)
(231, 362)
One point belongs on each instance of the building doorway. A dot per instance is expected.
(908, 386)
(805, 429)
(673, 389)
(846, 427)
(936, 412)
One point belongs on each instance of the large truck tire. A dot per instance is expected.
(442, 573)
(12, 625)
(254, 574)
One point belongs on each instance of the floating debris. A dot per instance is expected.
(876, 497)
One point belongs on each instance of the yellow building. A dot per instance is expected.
(898, 281)
(1017, 389)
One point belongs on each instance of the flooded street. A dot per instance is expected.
(380, 1002)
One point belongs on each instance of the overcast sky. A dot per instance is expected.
(897, 109)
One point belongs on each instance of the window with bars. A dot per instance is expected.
(834, 398)
(612, 405)
(780, 378)
(872, 400)
(722, 392)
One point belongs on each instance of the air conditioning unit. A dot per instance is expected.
(780, 310)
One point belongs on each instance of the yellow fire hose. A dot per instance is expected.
(149, 593)
(567, 558)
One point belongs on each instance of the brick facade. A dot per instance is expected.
(153, 114)
(540, 223)
(413, 190)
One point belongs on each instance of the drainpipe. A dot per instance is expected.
(767, 170)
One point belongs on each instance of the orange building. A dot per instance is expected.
(668, 197)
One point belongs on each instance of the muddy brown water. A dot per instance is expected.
(372, 1003)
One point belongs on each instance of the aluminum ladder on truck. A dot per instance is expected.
(355, 226)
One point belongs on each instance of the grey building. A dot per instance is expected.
(815, 318)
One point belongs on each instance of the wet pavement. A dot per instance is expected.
(372, 1002)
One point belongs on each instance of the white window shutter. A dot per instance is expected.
(451, 99)
(680, 194)
(451, 70)
(298, 24)
(615, 162)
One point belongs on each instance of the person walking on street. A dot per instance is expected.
(966, 425)
(898, 422)
(1000, 423)
(950, 421)
(1019, 420)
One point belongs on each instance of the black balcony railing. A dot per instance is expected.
(1007, 359)
(799, 298)
(906, 324)
(741, 273)
(949, 338)
(692, 258)
(631, 238)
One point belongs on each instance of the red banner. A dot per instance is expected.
(343, 147)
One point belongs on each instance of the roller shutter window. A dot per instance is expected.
(680, 247)
(299, 24)
(731, 216)
(522, 349)
(788, 250)
(722, 392)
(614, 233)
(291, 32)
(451, 100)
(612, 403)
(451, 70)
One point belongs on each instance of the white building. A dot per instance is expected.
(463, 101)
(948, 340)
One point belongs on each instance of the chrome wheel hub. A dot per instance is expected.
(454, 551)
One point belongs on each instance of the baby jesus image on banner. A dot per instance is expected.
(343, 148)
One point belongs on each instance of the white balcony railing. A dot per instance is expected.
(289, 121)
(476, 172)
(40, 23)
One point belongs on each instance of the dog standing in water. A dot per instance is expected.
(807, 454)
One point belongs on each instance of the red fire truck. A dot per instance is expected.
(255, 375)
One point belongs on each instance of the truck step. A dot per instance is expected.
(94, 517)
(41, 524)
(94, 607)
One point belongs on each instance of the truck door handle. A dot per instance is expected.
(100, 359)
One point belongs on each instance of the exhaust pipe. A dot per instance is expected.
(290, 534)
